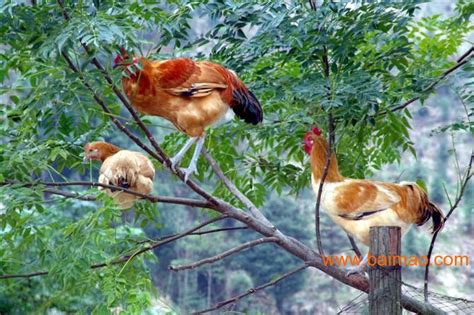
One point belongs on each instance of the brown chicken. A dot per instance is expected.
(356, 204)
(123, 168)
(193, 95)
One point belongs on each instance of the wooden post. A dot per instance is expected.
(384, 271)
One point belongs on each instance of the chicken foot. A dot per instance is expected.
(175, 160)
(188, 171)
(361, 269)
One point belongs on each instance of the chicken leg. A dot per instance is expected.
(175, 160)
(179, 156)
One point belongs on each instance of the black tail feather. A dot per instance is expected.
(438, 218)
(246, 106)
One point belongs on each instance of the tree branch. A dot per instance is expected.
(155, 199)
(224, 254)
(119, 94)
(319, 244)
(237, 298)
(68, 194)
(233, 189)
(160, 155)
(289, 244)
(459, 63)
(355, 248)
(106, 109)
(236, 228)
(467, 177)
(126, 258)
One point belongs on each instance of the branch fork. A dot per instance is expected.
(224, 254)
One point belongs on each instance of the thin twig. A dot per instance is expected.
(459, 63)
(127, 258)
(106, 109)
(328, 160)
(162, 199)
(119, 94)
(355, 248)
(224, 254)
(235, 228)
(237, 298)
(68, 194)
(467, 177)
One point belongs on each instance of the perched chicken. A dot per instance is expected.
(191, 94)
(356, 205)
(127, 169)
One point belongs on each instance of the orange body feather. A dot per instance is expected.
(356, 204)
(191, 94)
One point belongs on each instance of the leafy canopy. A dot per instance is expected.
(379, 56)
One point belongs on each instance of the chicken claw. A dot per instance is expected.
(188, 171)
(361, 271)
(175, 160)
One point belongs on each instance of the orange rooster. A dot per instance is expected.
(356, 204)
(191, 94)
(127, 169)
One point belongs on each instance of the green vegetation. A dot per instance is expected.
(357, 62)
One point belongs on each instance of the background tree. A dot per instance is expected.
(365, 65)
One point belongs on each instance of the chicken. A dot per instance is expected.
(356, 204)
(123, 168)
(193, 95)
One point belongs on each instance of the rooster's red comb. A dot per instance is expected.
(316, 131)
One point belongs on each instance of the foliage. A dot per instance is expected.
(378, 57)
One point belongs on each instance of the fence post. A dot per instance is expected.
(384, 271)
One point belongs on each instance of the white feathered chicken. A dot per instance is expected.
(123, 168)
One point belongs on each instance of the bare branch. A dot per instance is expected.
(155, 199)
(24, 275)
(331, 137)
(224, 254)
(233, 189)
(106, 109)
(289, 244)
(459, 63)
(354, 246)
(126, 258)
(464, 182)
(235, 228)
(68, 194)
(237, 298)
(160, 155)
(119, 94)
